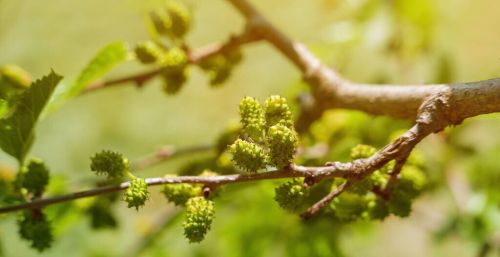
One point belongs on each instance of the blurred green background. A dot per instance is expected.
(367, 41)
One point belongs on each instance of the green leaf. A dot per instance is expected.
(105, 60)
(16, 130)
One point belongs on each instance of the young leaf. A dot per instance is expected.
(16, 130)
(105, 60)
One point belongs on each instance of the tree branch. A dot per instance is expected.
(330, 90)
(194, 56)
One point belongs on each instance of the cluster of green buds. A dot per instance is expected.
(268, 136)
(109, 163)
(115, 166)
(172, 21)
(248, 156)
(137, 193)
(32, 180)
(173, 63)
(35, 228)
(200, 213)
(179, 194)
(34, 177)
(220, 67)
(361, 200)
(291, 195)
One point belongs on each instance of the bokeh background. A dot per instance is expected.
(366, 40)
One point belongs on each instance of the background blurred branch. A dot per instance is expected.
(195, 56)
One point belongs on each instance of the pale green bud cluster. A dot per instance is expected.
(200, 213)
(137, 193)
(34, 227)
(179, 194)
(34, 177)
(109, 163)
(271, 137)
(362, 151)
(248, 156)
(291, 195)
(174, 69)
(350, 206)
(405, 190)
(277, 112)
(172, 61)
(252, 118)
(360, 201)
(180, 18)
(174, 58)
(173, 80)
(149, 52)
(282, 143)
(220, 67)
(174, 21)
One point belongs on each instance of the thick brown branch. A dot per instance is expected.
(330, 90)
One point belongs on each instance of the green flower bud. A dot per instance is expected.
(400, 202)
(35, 177)
(220, 67)
(161, 23)
(179, 194)
(349, 207)
(283, 144)
(378, 209)
(137, 193)
(174, 59)
(219, 75)
(362, 151)
(200, 213)
(149, 52)
(112, 164)
(291, 195)
(252, 118)
(34, 227)
(180, 18)
(248, 156)
(174, 80)
(405, 190)
(277, 112)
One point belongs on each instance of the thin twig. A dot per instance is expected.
(393, 177)
(195, 56)
(206, 180)
(313, 210)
